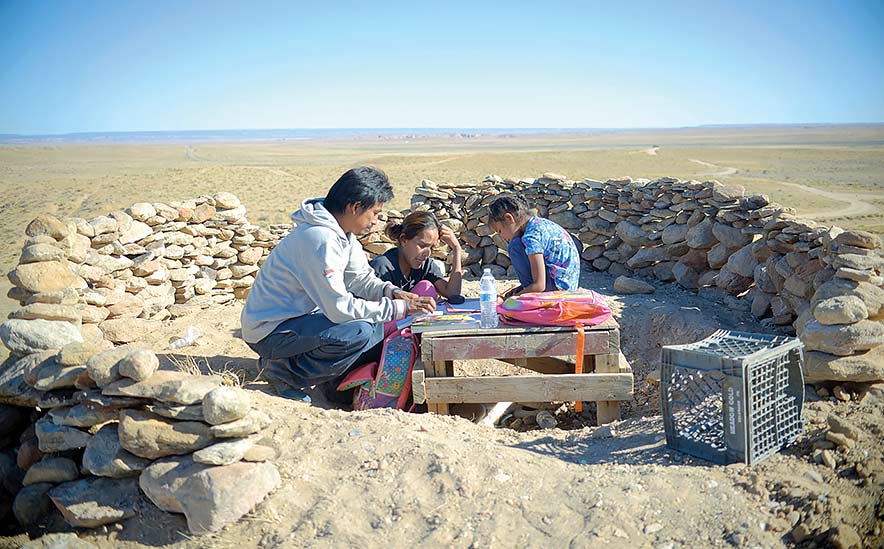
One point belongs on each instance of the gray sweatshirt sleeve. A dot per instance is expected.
(324, 284)
(361, 278)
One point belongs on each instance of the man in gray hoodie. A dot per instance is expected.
(317, 309)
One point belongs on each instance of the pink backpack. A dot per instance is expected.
(557, 308)
(386, 384)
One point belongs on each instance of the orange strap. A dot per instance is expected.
(578, 363)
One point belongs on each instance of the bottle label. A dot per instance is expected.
(486, 297)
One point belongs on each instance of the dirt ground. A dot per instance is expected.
(386, 478)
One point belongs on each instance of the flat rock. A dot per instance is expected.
(94, 501)
(103, 367)
(872, 296)
(128, 306)
(844, 309)
(52, 375)
(51, 469)
(79, 353)
(701, 235)
(841, 425)
(627, 285)
(105, 456)
(14, 390)
(162, 481)
(862, 367)
(166, 386)
(226, 201)
(41, 252)
(260, 452)
(58, 438)
(32, 504)
(137, 230)
(49, 311)
(127, 330)
(65, 296)
(843, 339)
(83, 416)
(231, 215)
(32, 336)
(225, 404)
(58, 541)
(730, 236)
(861, 239)
(193, 412)
(150, 436)
(45, 276)
(251, 424)
(743, 262)
(218, 496)
(224, 453)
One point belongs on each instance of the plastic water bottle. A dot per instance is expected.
(488, 300)
(190, 336)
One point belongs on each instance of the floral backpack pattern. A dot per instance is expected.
(385, 384)
(556, 308)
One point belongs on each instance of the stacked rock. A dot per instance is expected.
(148, 263)
(707, 237)
(189, 442)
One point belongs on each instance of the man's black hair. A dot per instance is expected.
(363, 186)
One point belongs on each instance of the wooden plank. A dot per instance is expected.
(440, 369)
(608, 410)
(514, 346)
(544, 364)
(625, 368)
(418, 392)
(505, 329)
(567, 387)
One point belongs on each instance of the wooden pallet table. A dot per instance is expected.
(606, 380)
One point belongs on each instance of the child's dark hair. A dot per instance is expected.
(413, 224)
(514, 205)
(363, 186)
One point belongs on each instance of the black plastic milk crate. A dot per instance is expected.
(732, 397)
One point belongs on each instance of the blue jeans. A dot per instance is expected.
(519, 259)
(311, 349)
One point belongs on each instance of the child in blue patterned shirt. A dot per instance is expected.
(542, 252)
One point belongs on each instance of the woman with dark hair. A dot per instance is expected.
(409, 265)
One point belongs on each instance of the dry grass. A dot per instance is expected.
(200, 365)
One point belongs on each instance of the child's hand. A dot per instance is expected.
(512, 291)
(417, 304)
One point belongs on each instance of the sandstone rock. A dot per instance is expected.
(141, 211)
(78, 354)
(108, 263)
(685, 276)
(730, 236)
(225, 404)
(103, 367)
(52, 470)
(626, 285)
(249, 425)
(130, 306)
(761, 304)
(193, 412)
(41, 252)
(105, 457)
(224, 453)
(32, 504)
(843, 339)
(700, 236)
(860, 239)
(49, 225)
(260, 452)
(103, 224)
(139, 364)
(48, 311)
(65, 296)
(137, 230)
(841, 425)
(32, 336)
(232, 215)
(162, 481)
(872, 296)
(218, 496)
(250, 256)
(719, 255)
(742, 262)
(632, 234)
(674, 233)
(45, 276)
(226, 201)
(863, 367)
(14, 390)
(845, 309)
(166, 386)
(58, 438)
(150, 436)
(733, 282)
(82, 416)
(94, 501)
(127, 330)
(51, 376)
(647, 256)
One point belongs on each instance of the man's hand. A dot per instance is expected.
(416, 304)
(446, 235)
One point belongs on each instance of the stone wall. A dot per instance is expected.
(823, 282)
(131, 268)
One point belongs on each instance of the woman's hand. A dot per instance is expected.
(447, 236)
(417, 304)
(515, 290)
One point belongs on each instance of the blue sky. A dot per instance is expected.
(70, 66)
